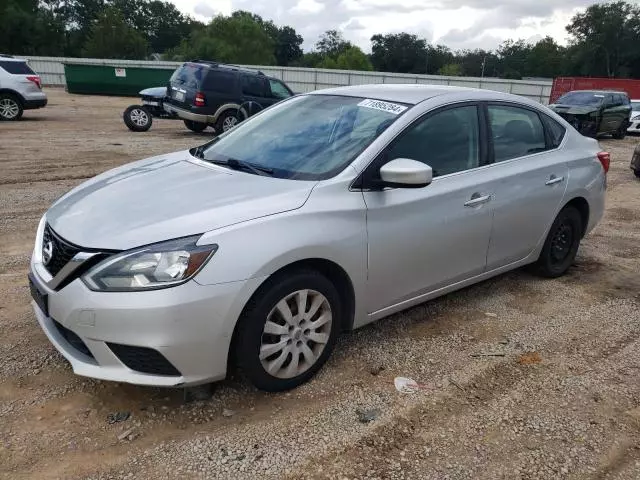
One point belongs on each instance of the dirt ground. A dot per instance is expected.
(522, 378)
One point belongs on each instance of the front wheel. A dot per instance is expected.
(561, 246)
(288, 330)
(195, 126)
(621, 132)
(137, 118)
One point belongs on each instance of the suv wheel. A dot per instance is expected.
(226, 121)
(195, 126)
(288, 330)
(621, 132)
(10, 107)
(137, 118)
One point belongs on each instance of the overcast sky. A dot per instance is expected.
(456, 23)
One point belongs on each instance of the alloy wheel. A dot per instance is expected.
(295, 334)
(139, 117)
(228, 123)
(9, 108)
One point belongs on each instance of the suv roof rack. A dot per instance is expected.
(225, 65)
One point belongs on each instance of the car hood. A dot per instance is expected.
(159, 92)
(573, 109)
(167, 197)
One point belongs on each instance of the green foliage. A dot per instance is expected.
(234, 39)
(353, 59)
(451, 70)
(112, 37)
(332, 44)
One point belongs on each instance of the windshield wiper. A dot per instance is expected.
(236, 164)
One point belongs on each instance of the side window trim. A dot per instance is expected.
(368, 172)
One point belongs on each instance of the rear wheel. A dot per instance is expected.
(137, 118)
(226, 121)
(561, 246)
(636, 173)
(10, 107)
(195, 126)
(288, 330)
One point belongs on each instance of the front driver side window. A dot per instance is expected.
(278, 90)
(447, 141)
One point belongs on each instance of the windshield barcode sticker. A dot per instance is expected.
(389, 107)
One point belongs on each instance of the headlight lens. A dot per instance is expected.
(160, 265)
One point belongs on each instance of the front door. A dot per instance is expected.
(423, 239)
(533, 180)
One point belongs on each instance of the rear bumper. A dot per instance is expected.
(187, 115)
(33, 104)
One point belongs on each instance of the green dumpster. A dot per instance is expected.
(113, 80)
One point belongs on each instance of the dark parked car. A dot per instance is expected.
(210, 93)
(595, 112)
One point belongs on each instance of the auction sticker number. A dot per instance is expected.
(389, 107)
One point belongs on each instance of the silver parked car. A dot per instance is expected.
(20, 88)
(320, 214)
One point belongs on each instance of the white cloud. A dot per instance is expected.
(455, 23)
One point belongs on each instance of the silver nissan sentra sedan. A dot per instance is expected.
(320, 214)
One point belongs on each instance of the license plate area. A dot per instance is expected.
(41, 299)
(147, 102)
(178, 95)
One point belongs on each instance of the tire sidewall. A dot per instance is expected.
(252, 322)
(223, 116)
(196, 127)
(20, 107)
(131, 125)
(547, 267)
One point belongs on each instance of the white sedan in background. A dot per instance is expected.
(634, 127)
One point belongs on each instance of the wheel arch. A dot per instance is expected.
(580, 204)
(14, 93)
(334, 272)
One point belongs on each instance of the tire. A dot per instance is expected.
(288, 339)
(195, 126)
(10, 107)
(137, 118)
(561, 245)
(620, 133)
(226, 121)
(636, 173)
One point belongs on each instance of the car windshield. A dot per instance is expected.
(309, 137)
(581, 98)
(635, 105)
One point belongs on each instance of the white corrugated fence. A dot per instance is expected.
(51, 70)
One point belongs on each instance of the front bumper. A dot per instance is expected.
(634, 127)
(188, 326)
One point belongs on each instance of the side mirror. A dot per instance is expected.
(406, 173)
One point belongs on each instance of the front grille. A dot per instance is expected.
(74, 340)
(61, 251)
(145, 360)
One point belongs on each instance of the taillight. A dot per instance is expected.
(35, 79)
(199, 100)
(605, 160)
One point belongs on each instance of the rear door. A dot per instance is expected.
(255, 88)
(533, 179)
(610, 114)
(220, 88)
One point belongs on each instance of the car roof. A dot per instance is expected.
(405, 93)
(600, 91)
(9, 58)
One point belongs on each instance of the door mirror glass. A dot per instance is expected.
(406, 173)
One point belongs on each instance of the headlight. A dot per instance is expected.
(160, 265)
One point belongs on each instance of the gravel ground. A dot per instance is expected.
(522, 378)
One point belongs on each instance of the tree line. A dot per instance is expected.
(603, 41)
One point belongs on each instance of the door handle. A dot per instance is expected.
(477, 200)
(553, 180)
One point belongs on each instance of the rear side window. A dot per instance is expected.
(16, 68)
(555, 130)
(254, 85)
(516, 132)
(220, 81)
(189, 75)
